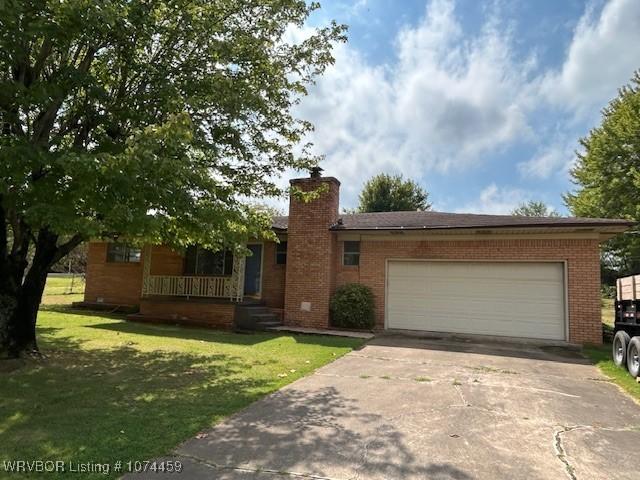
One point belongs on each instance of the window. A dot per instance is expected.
(122, 253)
(281, 253)
(205, 263)
(351, 253)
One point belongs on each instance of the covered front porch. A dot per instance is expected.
(199, 287)
(202, 274)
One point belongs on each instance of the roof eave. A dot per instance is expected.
(613, 228)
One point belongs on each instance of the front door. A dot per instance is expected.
(253, 270)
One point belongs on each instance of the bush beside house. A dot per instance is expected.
(352, 307)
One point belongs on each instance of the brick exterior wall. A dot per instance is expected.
(583, 270)
(311, 250)
(314, 269)
(165, 261)
(121, 283)
(273, 277)
(211, 314)
(116, 283)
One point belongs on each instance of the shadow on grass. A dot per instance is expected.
(221, 336)
(69, 310)
(118, 404)
(185, 333)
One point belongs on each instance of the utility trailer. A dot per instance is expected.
(626, 341)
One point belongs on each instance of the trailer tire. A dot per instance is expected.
(633, 357)
(619, 348)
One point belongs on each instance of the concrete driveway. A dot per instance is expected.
(408, 408)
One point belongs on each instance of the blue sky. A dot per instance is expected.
(481, 102)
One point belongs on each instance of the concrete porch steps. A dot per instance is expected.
(254, 316)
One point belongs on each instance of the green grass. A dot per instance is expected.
(600, 355)
(112, 390)
(607, 313)
(63, 290)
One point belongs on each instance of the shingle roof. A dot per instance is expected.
(441, 221)
(280, 223)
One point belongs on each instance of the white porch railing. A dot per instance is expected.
(188, 286)
(231, 287)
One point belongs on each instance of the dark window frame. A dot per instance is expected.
(351, 253)
(126, 254)
(192, 269)
(281, 253)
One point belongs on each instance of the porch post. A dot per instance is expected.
(146, 269)
(237, 278)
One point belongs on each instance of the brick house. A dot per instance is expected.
(474, 274)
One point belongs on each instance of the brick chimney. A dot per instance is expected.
(311, 250)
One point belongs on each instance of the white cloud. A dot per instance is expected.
(602, 57)
(450, 100)
(496, 200)
(445, 102)
(555, 158)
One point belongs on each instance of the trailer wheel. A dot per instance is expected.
(619, 347)
(633, 357)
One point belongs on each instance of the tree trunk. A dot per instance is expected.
(8, 306)
(22, 324)
(19, 305)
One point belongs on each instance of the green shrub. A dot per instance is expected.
(352, 307)
(608, 291)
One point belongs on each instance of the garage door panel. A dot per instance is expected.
(513, 299)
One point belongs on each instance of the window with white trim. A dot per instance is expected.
(351, 253)
(122, 253)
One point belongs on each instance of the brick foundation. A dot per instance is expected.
(218, 315)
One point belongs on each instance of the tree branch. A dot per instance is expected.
(66, 248)
(46, 119)
(45, 50)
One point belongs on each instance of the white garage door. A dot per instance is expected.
(510, 299)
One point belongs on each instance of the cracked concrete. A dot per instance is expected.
(561, 453)
(487, 410)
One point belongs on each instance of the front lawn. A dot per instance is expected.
(112, 390)
(601, 355)
(63, 289)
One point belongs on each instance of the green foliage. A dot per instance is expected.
(150, 120)
(607, 175)
(608, 291)
(352, 307)
(390, 193)
(534, 209)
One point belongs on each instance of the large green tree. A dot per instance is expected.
(143, 120)
(607, 175)
(391, 193)
(534, 208)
